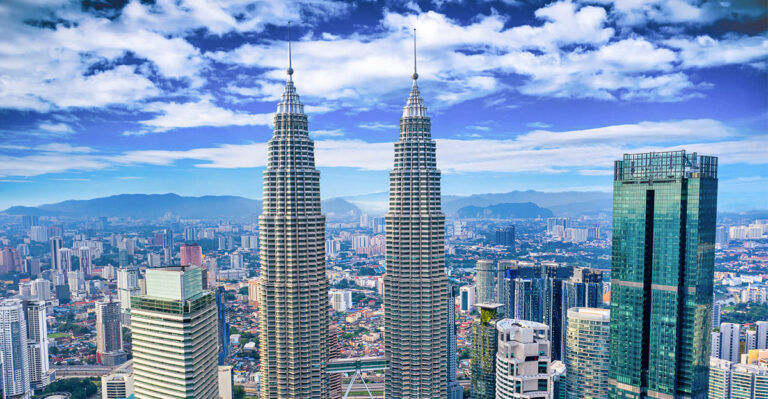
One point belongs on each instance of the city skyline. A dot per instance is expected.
(195, 104)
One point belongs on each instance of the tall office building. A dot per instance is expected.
(191, 254)
(293, 297)
(173, 328)
(467, 298)
(334, 352)
(484, 344)
(37, 343)
(664, 209)
(505, 236)
(522, 361)
(109, 334)
(41, 289)
(455, 391)
(554, 314)
(725, 343)
(415, 285)
(222, 324)
(56, 244)
(14, 350)
(485, 276)
(586, 355)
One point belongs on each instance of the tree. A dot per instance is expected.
(239, 392)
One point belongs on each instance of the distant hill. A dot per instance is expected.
(568, 203)
(152, 206)
(340, 209)
(510, 210)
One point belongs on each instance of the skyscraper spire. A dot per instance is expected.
(289, 71)
(415, 73)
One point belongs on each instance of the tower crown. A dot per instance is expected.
(414, 107)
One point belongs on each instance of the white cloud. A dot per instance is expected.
(640, 12)
(377, 126)
(201, 113)
(56, 128)
(587, 152)
(328, 133)
(63, 148)
(705, 51)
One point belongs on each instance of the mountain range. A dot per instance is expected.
(521, 203)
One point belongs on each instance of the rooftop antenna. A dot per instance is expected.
(415, 74)
(290, 61)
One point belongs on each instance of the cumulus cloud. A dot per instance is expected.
(195, 114)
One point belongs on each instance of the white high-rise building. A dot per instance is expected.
(117, 385)
(76, 282)
(65, 260)
(85, 256)
(236, 260)
(14, 350)
(41, 289)
(725, 344)
(127, 286)
(341, 300)
(37, 343)
(587, 346)
(38, 233)
(762, 334)
(522, 360)
(174, 333)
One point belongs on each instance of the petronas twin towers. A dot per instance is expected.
(293, 294)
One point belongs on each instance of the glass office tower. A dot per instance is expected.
(664, 207)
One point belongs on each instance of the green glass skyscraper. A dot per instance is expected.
(484, 344)
(664, 208)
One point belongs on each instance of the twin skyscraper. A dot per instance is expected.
(293, 289)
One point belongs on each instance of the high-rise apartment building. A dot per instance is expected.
(664, 211)
(14, 350)
(485, 281)
(522, 360)
(484, 344)
(762, 334)
(191, 255)
(588, 338)
(35, 314)
(173, 329)
(584, 289)
(726, 342)
(109, 335)
(730, 380)
(415, 285)
(341, 300)
(293, 297)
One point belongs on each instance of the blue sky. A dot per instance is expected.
(107, 97)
